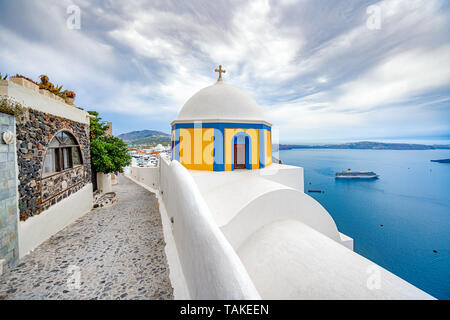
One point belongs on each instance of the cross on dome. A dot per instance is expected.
(220, 71)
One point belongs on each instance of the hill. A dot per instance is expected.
(441, 161)
(148, 137)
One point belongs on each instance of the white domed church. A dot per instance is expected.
(251, 233)
(221, 128)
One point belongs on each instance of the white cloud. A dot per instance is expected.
(399, 78)
(253, 47)
(338, 80)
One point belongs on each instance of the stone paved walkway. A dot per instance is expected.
(118, 252)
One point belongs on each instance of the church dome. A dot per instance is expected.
(221, 101)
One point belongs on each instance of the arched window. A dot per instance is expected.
(63, 153)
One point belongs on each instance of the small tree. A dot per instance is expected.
(108, 154)
(97, 128)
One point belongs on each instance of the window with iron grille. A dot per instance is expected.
(63, 153)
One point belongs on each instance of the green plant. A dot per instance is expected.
(47, 85)
(96, 127)
(62, 95)
(108, 154)
(44, 79)
(56, 90)
(11, 106)
(70, 94)
(23, 77)
(3, 77)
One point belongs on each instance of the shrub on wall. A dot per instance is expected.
(97, 128)
(45, 84)
(10, 106)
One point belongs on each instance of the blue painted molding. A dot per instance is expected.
(219, 157)
(262, 150)
(248, 149)
(221, 125)
(219, 143)
(177, 145)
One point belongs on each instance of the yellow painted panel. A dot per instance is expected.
(197, 145)
(253, 133)
(186, 144)
(197, 148)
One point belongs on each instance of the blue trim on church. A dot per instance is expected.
(219, 156)
(262, 150)
(248, 149)
(219, 143)
(177, 145)
(221, 125)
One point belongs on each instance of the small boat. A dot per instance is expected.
(318, 191)
(356, 175)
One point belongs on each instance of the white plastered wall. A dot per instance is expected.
(37, 229)
(210, 265)
(40, 102)
(146, 175)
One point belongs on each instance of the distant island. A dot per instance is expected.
(145, 137)
(153, 137)
(442, 161)
(367, 145)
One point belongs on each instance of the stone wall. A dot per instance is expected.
(108, 131)
(61, 185)
(8, 195)
(35, 130)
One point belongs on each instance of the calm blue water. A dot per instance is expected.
(411, 199)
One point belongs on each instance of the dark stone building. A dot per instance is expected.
(45, 167)
(42, 186)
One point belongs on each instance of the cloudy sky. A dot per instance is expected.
(323, 71)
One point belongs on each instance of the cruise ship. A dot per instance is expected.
(355, 175)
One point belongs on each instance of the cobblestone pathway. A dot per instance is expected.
(118, 252)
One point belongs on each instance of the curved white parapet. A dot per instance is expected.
(290, 260)
(275, 205)
(242, 204)
(210, 265)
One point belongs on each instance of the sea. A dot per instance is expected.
(401, 221)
